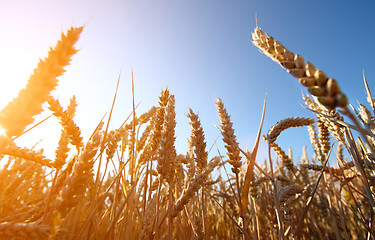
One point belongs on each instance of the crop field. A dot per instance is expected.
(130, 182)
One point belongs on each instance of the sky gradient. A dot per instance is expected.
(201, 50)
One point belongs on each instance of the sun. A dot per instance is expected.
(2, 131)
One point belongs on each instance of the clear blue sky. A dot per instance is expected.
(200, 49)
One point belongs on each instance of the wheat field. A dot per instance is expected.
(131, 183)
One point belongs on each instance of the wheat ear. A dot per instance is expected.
(76, 182)
(229, 138)
(167, 151)
(197, 141)
(276, 129)
(14, 230)
(286, 192)
(20, 111)
(157, 122)
(61, 153)
(194, 186)
(67, 122)
(27, 154)
(285, 158)
(148, 219)
(325, 89)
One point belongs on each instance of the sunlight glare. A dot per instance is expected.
(2, 131)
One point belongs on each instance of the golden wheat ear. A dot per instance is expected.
(20, 111)
(318, 84)
(229, 138)
(198, 141)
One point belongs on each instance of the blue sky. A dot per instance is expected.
(201, 50)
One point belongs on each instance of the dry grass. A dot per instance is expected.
(144, 189)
